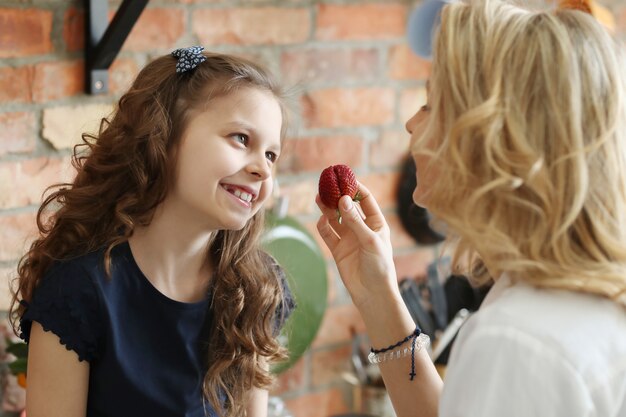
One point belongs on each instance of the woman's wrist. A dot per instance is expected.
(386, 318)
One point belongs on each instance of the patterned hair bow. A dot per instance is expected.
(188, 58)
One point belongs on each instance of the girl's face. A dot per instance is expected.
(226, 159)
(425, 173)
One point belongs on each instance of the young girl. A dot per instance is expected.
(521, 151)
(146, 293)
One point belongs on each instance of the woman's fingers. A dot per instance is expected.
(373, 216)
(368, 211)
(333, 217)
(351, 218)
(327, 233)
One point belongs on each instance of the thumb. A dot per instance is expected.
(352, 219)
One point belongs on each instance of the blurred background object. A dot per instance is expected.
(415, 219)
(422, 24)
(301, 257)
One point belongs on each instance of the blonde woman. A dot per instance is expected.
(521, 151)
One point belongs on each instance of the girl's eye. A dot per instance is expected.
(425, 107)
(241, 138)
(271, 156)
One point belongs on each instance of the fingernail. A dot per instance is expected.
(347, 204)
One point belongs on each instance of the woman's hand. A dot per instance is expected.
(362, 250)
(361, 247)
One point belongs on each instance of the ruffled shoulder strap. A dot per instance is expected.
(67, 303)
(288, 304)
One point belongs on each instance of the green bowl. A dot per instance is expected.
(299, 254)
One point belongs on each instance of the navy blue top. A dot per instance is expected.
(145, 350)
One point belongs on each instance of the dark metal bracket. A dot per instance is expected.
(103, 40)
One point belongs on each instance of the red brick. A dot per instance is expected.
(329, 364)
(252, 26)
(7, 274)
(343, 107)
(292, 379)
(24, 182)
(414, 264)
(318, 404)
(337, 325)
(317, 153)
(334, 284)
(400, 238)
(390, 150)
(17, 132)
(16, 84)
(25, 32)
(410, 102)
(301, 197)
(74, 29)
(383, 186)
(57, 80)
(18, 231)
(361, 21)
(329, 65)
(156, 29)
(406, 65)
(122, 74)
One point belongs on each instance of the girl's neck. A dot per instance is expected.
(172, 254)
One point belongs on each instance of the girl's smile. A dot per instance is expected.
(244, 195)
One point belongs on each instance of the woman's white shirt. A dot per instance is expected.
(531, 352)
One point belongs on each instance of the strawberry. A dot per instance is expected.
(335, 182)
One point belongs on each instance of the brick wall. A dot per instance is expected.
(357, 84)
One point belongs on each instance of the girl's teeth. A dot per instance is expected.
(243, 196)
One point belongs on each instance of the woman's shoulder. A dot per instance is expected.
(586, 332)
(552, 314)
(545, 339)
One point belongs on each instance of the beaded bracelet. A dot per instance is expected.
(375, 358)
(383, 355)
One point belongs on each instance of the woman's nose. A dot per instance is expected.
(410, 124)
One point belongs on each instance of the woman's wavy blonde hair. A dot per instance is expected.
(528, 109)
(124, 172)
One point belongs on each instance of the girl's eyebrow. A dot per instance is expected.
(251, 130)
(240, 124)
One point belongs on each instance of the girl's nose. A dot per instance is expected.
(260, 168)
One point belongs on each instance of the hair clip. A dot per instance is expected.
(188, 58)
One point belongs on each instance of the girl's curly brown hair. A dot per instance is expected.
(123, 175)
